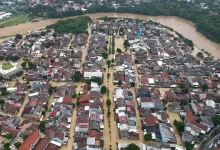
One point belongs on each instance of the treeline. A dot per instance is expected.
(75, 25)
(205, 23)
(51, 12)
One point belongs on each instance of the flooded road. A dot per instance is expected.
(184, 27)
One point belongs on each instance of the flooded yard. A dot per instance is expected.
(175, 116)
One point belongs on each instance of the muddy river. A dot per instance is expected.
(186, 28)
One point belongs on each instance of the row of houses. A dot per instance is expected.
(58, 121)
(37, 99)
(125, 114)
(90, 119)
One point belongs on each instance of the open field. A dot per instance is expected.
(15, 20)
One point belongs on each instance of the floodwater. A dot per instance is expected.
(186, 28)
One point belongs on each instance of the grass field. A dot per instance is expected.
(15, 20)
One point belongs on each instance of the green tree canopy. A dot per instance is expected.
(103, 89)
(131, 146)
(77, 76)
(216, 119)
(148, 137)
(180, 126)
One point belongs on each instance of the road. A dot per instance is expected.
(212, 137)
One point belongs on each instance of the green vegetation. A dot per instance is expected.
(179, 125)
(15, 21)
(12, 58)
(17, 144)
(77, 76)
(131, 146)
(75, 25)
(188, 146)
(148, 137)
(74, 95)
(108, 102)
(42, 127)
(8, 136)
(205, 23)
(6, 146)
(198, 120)
(216, 119)
(18, 36)
(50, 12)
(204, 87)
(200, 55)
(105, 55)
(97, 80)
(7, 65)
(103, 89)
(20, 73)
(132, 84)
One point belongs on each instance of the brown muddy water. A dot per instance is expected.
(184, 27)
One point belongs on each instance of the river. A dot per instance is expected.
(184, 27)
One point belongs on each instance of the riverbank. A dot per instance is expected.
(184, 27)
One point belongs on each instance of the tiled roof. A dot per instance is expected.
(32, 138)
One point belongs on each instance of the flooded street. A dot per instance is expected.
(175, 116)
(178, 24)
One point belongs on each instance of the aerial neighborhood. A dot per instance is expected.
(107, 84)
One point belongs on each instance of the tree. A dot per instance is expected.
(132, 84)
(200, 55)
(188, 145)
(126, 43)
(204, 87)
(20, 73)
(50, 89)
(31, 65)
(98, 80)
(77, 76)
(148, 137)
(6, 146)
(119, 50)
(119, 82)
(180, 126)
(216, 120)
(42, 127)
(105, 55)
(182, 86)
(198, 120)
(18, 36)
(17, 144)
(108, 102)
(131, 146)
(108, 62)
(183, 102)
(108, 75)
(25, 137)
(2, 102)
(103, 89)
(74, 95)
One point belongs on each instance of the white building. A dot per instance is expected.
(6, 73)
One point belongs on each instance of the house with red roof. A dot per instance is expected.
(31, 141)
